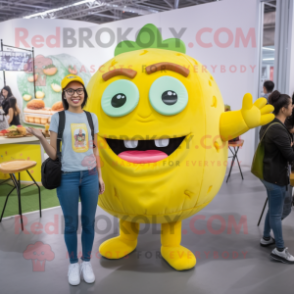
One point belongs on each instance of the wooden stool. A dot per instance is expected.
(17, 166)
(235, 145)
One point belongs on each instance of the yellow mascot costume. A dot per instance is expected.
(163, 139)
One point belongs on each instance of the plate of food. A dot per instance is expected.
(3, 132)
(16, 132)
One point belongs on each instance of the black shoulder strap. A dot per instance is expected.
(275, 123)
(60, 131)
(91, 124)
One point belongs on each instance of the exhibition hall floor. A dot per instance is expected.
(230, 259)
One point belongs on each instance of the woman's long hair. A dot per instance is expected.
(13, 105)
(7, 88)
(278, 101)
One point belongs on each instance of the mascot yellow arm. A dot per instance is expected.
(252, 115)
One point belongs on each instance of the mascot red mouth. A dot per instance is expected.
(144, 151)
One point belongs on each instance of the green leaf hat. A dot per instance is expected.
(150, 37)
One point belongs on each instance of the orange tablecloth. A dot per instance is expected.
(236, 143)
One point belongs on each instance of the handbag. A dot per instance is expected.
(51, 169)
(257, 163)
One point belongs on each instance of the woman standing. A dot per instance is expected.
(276, 166)
(13, 112)
(289, 122)
(5, 95)
(81, 174)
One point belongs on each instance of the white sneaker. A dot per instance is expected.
(283, 256)
(265, 243)
(73, 274)
(87, 272)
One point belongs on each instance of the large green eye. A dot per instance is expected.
(168, 95)
(120, 98)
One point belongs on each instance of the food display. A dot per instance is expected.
(41, 102)
(56, 87)
(16, 132)
(50, 70)
(37, 119)
(27, 97)
(58, 106)
(40, 94)
(36, 104)
(37, 113)
(3, 132)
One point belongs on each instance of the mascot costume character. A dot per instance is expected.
(163, 139)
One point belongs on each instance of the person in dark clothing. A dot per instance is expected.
(5, 95)
(13, 112)
(289, 122)
(289, 201)
(276, 167)
(268, 87)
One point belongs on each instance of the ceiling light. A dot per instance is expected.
(61, 8)
(266, 48)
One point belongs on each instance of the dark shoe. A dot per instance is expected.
(265, 243)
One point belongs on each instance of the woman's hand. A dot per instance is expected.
(101, 186)
(35, 132)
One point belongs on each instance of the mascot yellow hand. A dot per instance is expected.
(250, 116)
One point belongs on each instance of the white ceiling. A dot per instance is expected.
(97, 11)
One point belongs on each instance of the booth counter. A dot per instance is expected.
(24, 148)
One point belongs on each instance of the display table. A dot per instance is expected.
(4, 140)
(25, 148)
(234, 148)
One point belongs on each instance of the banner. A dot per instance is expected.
(222, 35)
(15, 61)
